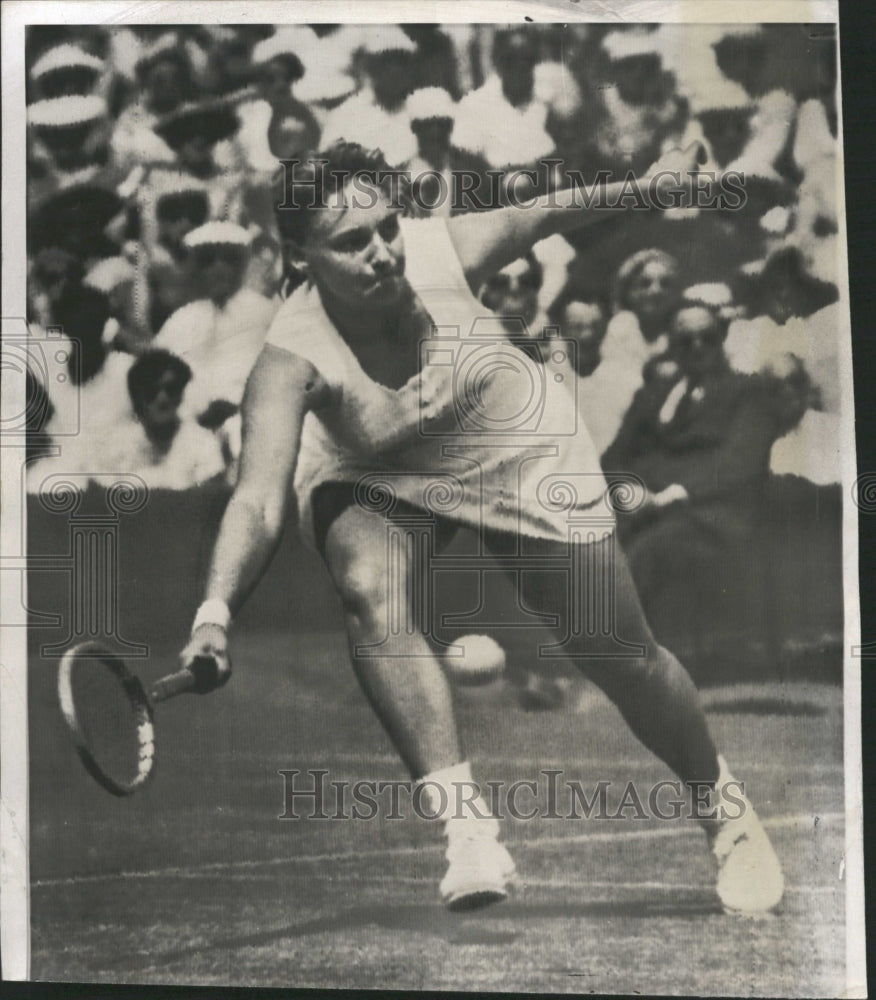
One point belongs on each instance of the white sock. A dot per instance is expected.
(451, 795)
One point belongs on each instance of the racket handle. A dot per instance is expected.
(173, 684)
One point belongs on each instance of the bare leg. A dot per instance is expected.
(653, 692)
(405, 683)
(659, 701)
(410, 695)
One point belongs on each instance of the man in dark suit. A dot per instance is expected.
(698, 435)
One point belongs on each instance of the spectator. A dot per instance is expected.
(816, 224)
(584, 323)
(647, 288)
(221, 334)
(794, 313)
(66, 70)
(81, 312)
(91, 389)
(328, 78)
(164, 74)
(114, 278)
(187, 162)
(512, 294)
(438, 161)
(265, 270)
(504, 120)
(54, 271)
(165, 449)
(200, 134)
(376, 116)
(194, 130)
(702, 434)
(700, 442)
(166, 277)
(78, 217)
(689, 53)
(436, 59)
(647, 291)
(641, 109)
(278, 126)
(72, 132)
(229, 66)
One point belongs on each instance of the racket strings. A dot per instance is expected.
(113, 723)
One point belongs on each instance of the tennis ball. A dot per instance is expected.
(479, 660)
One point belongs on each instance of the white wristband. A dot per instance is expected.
(212, 612)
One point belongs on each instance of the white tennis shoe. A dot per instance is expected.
(750, 877)
(480, 872)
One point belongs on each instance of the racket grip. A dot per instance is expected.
(173, 684)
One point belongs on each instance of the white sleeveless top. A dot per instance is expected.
(513, 454)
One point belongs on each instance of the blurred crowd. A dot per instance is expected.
(706, 341)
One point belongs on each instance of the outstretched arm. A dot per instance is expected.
(487, 241)
(281, 389)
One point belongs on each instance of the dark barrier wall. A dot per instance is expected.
(780, 615)
(163, 553)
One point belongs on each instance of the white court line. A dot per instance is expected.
(401, 850)
(481, 761)
(525, 882)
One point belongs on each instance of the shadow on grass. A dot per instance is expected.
(483, 927)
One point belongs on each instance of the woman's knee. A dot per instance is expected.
(357, 559)
(361, 586)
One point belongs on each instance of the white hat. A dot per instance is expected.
(776, 220)
(624, 44)
(212, 233)
(720, 94)
(385, 38)
(64, 57)
(220, 32)
(430, 102)
(168, 182)
(109, 273)
(709, 293)
(753, 268)
(58, 112)
(752, 165)
(169, 41)
(714, 295)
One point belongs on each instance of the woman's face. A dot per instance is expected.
(275, 83)
(158, 407)
(653, 291)
(70, 147)
(390, 74)
(584, 322)
(355, 252)
(221, 269)
(513, 293)
(55, 271)
(164, 86)
(196, 155)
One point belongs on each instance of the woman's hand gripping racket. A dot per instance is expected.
(109, 714)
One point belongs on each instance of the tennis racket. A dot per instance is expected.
(110, 716)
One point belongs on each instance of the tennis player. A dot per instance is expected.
(339, 393)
